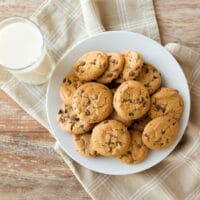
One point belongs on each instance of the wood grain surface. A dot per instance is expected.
(29, 167)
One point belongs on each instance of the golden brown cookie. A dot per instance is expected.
(92, 102)
(70, 122)
(150, 77)
(115, 67)
(166, 101)
(82, 144)
(137, 151)
(160, 132)
(91, 65)
(131, 100)
(110, 138)
(139, 124)
(132, 65)
(115, 116)
(70, 83)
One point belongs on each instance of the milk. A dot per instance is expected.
(23, 53)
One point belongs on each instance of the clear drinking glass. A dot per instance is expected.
(23, 52)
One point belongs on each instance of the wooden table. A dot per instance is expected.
(29, 167)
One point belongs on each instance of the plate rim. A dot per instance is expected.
(107, 33)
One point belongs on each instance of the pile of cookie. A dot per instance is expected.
(113, 105)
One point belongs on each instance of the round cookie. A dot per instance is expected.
(70, 83)
(150, 77)
(110, 138)
(115, 67)
(91, 65)
(160, 132)
(131, 100)
(137, 151)
(82, 144)
(166, 101)
(70, 122)
(139, 124)
(132, 65)
(115, 116)
(92, 102)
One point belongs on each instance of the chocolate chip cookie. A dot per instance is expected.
(160, 132)
(166, 101)
(150, 77)
(70, 83)
(132, 65)
(131, 100)
(115, 67)
(82, 144)
(110, 138)
(91, 65)
(137, 151)
(70, 122)
(92, 102)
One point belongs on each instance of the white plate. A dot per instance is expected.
(154, 53)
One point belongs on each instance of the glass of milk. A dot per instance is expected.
(23, 52)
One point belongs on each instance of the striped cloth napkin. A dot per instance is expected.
(64, 23)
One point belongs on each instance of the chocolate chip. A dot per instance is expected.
(87, 112)
(131, 73)
(69, 82)
(75, 118)
(89, 102)
(174, 123)
(147, 70)
(82, 63)
(60, 112)
(113, 61)
(144, 104)
(131, 114)
(162, 132)
(64, 80)
(137, 68)
(93, 62)
(66, 110)
(158, 107)
(96, 96)
(155, 77)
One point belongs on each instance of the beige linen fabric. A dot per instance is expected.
(64, 23)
